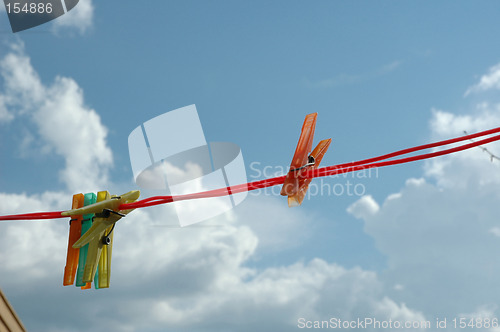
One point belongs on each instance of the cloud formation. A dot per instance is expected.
(184, 279)
(79, 18)
(163, 277)
(489, 81)
(5, 116)
(472, 165)
(64, 124)
(439, 232)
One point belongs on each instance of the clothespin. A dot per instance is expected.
(94, 245)
(100, 233)
(75, 230)
(94, 250)
(89, 199)
(296, 184)
(316, 156)
(104, 267)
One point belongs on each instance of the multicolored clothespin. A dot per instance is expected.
(75, 231)
(296, 183)
(99, 236)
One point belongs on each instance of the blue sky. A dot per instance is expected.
(381, 75)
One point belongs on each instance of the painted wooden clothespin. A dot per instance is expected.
(296, 183)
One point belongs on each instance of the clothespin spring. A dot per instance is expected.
(310, 162)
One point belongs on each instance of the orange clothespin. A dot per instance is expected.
(75, 229)
(296, 184)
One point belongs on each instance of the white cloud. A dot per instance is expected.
(437, 231)
(20, 80)
(446, 124)
(65, 125)
(399, 287)
(473, 165)
(5, 115)
(495, 231)
(489, 81)
(440, 232)
(179, 278)
(364, 207)
(183, 279)
(28, 250)
(80, 18)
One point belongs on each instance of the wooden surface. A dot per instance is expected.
(9, 322)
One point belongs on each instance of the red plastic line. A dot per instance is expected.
(325, 171)
(34, 216)
(421, 147)
(320, 172)
(332, 170)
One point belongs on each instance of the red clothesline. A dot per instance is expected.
(326, 171)
(320, 172)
